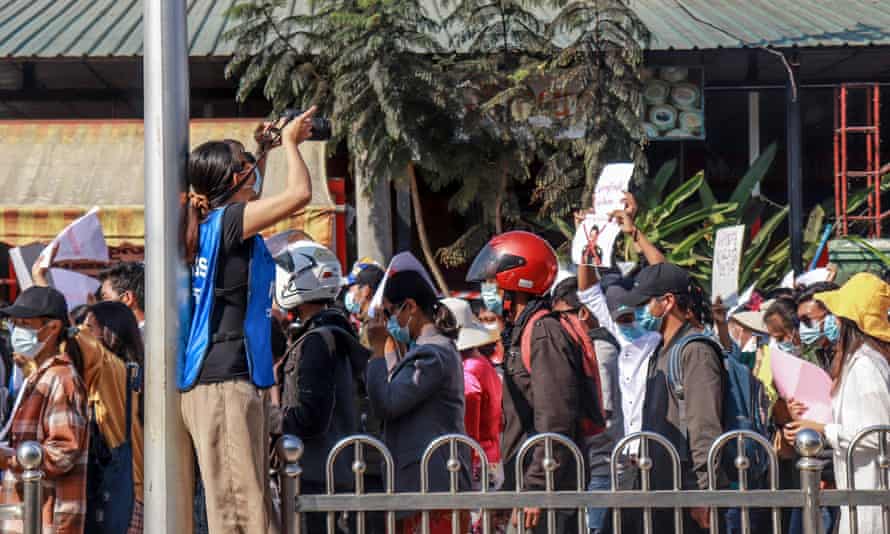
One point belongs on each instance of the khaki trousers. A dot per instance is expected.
(229, 426)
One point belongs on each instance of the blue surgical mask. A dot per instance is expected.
(830, 328)
(789, 347)
(631, 331)
(492, 299)
(25, 342)
(258, 183)
(647, 321)
(810, 335)
(398, 332)
(352, 306)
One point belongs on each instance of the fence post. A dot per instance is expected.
(30, 456)
(290, 450)
(809, 445)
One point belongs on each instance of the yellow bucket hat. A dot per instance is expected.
(865, 300)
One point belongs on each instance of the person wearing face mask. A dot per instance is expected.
(419, 396)
(226, 371)
(51, 409)
(483, 413)
(323, 368)
(662, 293)
(819, 329)
(860, 394)
(551, 378)
(599, 447)
(363, 283)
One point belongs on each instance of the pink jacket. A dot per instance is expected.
(482, 388)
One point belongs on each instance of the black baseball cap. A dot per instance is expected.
(616, 297)
(38, 301)
(657, 280)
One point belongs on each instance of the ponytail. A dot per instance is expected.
(444, 320)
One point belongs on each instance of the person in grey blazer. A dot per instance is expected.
(419, 396)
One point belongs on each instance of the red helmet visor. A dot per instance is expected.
(489, 262)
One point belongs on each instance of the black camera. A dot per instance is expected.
(321, 127)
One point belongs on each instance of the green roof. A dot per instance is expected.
(113, 28)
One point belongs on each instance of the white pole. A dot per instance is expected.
(754, 131)
(373, 219)
(169, 470)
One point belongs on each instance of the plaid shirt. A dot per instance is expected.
(53, 413)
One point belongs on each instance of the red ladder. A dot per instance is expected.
(842, 173)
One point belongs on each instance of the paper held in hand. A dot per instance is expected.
(802, 381)
(725, 264)
(81, 240)
(595, 236)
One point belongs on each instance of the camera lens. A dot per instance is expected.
(321, 127)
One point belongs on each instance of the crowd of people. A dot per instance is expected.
(292, 345)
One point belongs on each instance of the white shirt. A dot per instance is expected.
(861, 400)
(633, 361)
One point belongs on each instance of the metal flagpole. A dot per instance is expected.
(169, 471)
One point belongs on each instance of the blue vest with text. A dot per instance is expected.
(258, 318)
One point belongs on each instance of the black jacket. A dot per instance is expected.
(551, 393)
(319, 393)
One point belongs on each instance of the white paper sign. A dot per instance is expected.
(404, 261)
(725, 267)
(75, 286)
(812, 277)
(611, 186)
(788, 281)
(81, 240)
(595, 237)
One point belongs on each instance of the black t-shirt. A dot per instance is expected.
(226, 360)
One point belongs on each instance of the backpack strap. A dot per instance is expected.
(675, 375)
(525, 345)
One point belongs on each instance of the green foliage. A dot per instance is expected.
(683, 223)
(458, 111)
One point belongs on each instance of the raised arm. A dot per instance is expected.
(267, 211)
(625, 219)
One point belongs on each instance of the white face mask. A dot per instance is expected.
(26, 343)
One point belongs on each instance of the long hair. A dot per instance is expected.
(120, 331)
(850, 340)
(210, 170)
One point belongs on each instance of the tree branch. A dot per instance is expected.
(731, 35)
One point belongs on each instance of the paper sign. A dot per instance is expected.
(812, 277)
(788, 281)
(802, 381)
(725, 265)
(611, 186)
(595, 237)
(404, 261)
(81, 240)
(75, 286)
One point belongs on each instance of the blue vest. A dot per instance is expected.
(258, 318)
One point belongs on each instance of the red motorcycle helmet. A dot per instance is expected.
(518, 261)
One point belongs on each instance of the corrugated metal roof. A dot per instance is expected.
(103, 28)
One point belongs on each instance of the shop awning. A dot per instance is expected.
(56, 171)
(124, 226)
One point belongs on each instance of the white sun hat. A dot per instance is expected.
(472, 332)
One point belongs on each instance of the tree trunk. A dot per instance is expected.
(499, 209)
(421, 234)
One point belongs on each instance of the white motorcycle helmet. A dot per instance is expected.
(306, 272)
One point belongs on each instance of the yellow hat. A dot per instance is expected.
(865, 300)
